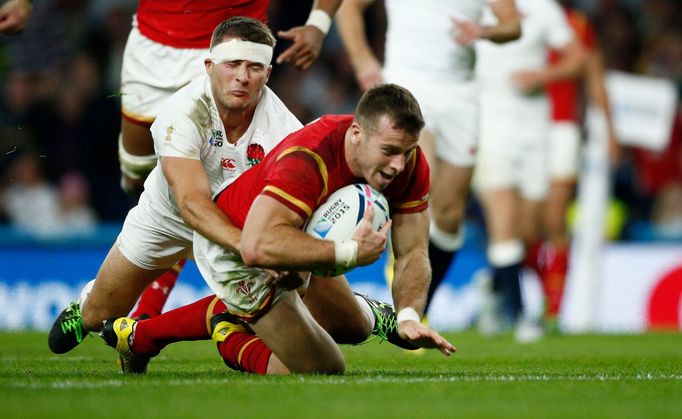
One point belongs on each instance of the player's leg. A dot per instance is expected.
(564, 151)
(505, 250)
(333, 305)
(135, 154)
(449, 194)
(294, 336)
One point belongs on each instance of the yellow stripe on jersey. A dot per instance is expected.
(412, 204)
(302, 205)
(320, 164)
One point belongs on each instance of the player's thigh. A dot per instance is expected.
(449, 193)
(333, 305)
(293, 335)
(117, 286)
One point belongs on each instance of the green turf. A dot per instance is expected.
(563, 376)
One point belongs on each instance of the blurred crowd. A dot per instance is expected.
(60, 116)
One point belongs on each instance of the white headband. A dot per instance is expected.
(236, 49)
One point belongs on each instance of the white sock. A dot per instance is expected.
(366, 310)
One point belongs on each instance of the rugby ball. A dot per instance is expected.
(338, 217)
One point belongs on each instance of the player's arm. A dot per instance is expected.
(192, 192)
(307, 39)
(272, 238)
(13, 16)
(508, 27)
(351, 26)
(595, 82)
(412, 275)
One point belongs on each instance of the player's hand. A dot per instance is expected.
(13, 16)
(371, 244)
(528, 81)
(285, 280)
(306, 47)
(465, 32)
(423, 337)
(368, 73)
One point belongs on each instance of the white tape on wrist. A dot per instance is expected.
(319, 19)
(346, 254)
(408, 313)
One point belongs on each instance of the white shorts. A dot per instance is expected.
(241, 288)
(451, 111)
(513, 150)
(564, 150)
(152, 72)
(153, 238)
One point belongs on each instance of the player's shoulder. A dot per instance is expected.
(192, 98)
(272, 111)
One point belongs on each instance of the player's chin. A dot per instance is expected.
(381, 180)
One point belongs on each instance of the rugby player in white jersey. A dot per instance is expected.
(208, 133)
(511, 174)
(430, 50)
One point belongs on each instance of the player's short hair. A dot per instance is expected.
(244, 28)
(394, 101)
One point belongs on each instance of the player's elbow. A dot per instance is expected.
(254, 252)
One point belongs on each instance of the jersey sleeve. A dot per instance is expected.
(416, 193)
(558, 32)
(298, 181)
(175, 135)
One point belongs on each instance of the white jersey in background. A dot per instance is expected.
(515, 125)
(543, 26)
(420, 37)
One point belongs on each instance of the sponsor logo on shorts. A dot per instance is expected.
(244, 287)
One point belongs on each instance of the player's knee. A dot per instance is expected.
(353, 330)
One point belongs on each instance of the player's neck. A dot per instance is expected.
(236, 122)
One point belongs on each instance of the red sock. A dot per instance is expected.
(190, 322)
(532, 259)
(155, 295)
(243, 351)
(554, 277)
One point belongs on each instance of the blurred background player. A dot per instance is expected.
(550, 258)
(165, 51)
(430, 50)
(511, 173)
(13, 16)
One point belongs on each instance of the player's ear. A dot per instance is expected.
(208, 63)
(355, 132)
(267, 76)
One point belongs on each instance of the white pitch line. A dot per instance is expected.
(152, 381)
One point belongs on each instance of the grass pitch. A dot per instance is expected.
(563, 376)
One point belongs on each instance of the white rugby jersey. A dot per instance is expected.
(420, 37)
(543, 26)
(188, 126)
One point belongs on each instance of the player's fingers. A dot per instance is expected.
(386, 227)
(290, 53)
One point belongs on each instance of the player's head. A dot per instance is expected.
(384, 134)
(239, 62)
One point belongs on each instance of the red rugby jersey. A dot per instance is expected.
(309, 165)
(565, 94)
(190, 23)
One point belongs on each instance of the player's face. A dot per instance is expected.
(383, 153)
(237, 85)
